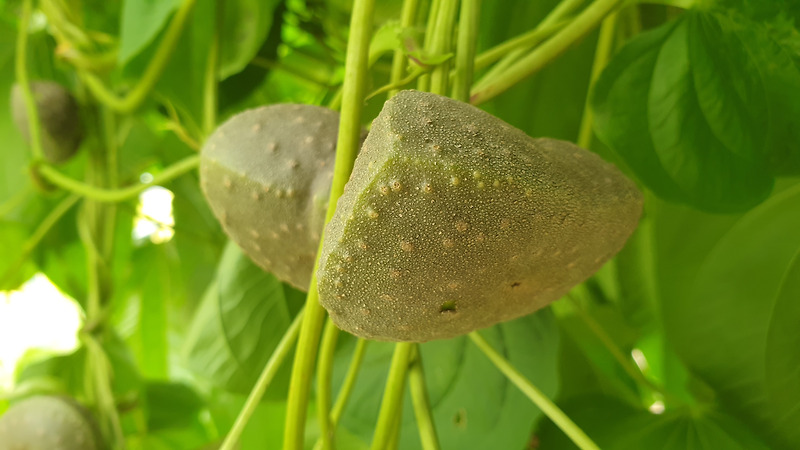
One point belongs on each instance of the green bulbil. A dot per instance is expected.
(48, 423)
(59, 116)
(453, 221)
(266, 174)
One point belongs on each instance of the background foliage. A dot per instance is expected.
(699, 102)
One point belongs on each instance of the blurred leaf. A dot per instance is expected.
(783, 350)
(719, 322)
(616, 426)
(140, 22)
(474, 405)
(12, 241)
(247, 23)
(702, 110)
(170, 405)
(265, 429)
(240, 322)
(155, 276)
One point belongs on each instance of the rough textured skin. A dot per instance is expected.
(453, 221)
(266, 174)
(61, 130)
(48, 423)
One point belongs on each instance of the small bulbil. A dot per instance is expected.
(47, 423)
(61, 128)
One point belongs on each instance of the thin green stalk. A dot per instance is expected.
(12, 203)
(41, 231)
(347, 387)
(116, 195)
(34, 127)
(408, 17)
(353, 93)
(558, 15)
(210, 93)
(585, 22)
(349, 381)
(394, 87)
(605, 44)
(442, 43)
(549, 408)
(422, 404)
(267, 375)
(101, 369)
(392, 396)
(620, 357)
(465, 49)
(324, 377)
(424, 82)
(394, 438)
(527, 40)
(152, 73)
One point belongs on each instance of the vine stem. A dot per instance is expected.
(442, 43)
(586, 21)
(392, 395)
(41, 231)
(152, 73)
(605, 43)
(267, 375)
(549, 408)
(465, 49)
(526, 40)
(34, 127)
(421, 402)
(557, 15)
(353, 93)
(324, 376)
(210, 94)
(408, 17)
(424, 82)
(116, 195)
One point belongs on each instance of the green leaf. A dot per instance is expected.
(614, 425)
(170, 405)
(239, 324)
(702, 110)
(141, 20)
(719, 321)
(247, 23)
(474, 405)
(783, 350)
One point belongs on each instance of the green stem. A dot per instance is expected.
(117, 195)
(557, 16)
(422, 404)
(418, 72)
(392, 396)
(442, 43)
(394, 438)
(353, 93)
(605, 44)
(41, 231)
(549, 408)
(424, 82)
(324, 377)
(267, 375)
(408, 17)
(34, 127)
(465, 49)
(152, 73)
(347, 387)
(585, 22)
(100, 367)
(524, 41)
(349, 381)
(210, 94)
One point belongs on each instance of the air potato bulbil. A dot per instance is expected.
(48, 423)
(266, 173)
(453, 221)
(61, 130)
